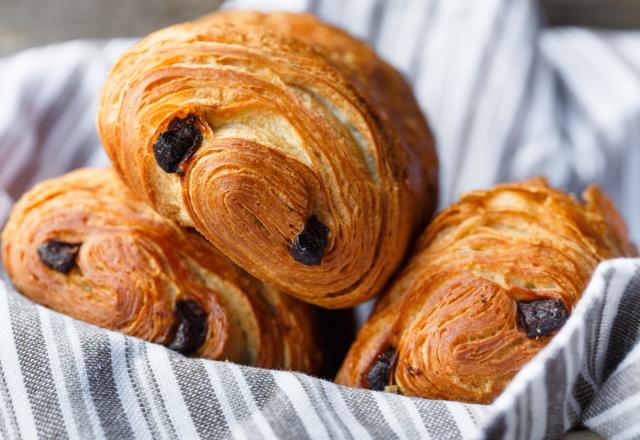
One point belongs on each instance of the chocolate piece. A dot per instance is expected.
(59, 255)
(308, 246)
(177, 144)
(539, 318)
(378, 376)
(192, 327)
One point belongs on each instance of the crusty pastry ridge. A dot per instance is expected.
(287, 143)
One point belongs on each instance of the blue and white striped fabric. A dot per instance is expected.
(506, 98)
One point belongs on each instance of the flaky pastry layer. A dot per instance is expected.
(132, 270)
(287, 143)
(451, 325)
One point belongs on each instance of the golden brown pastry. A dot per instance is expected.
(287, 143)
(83, 245)
(491, 280)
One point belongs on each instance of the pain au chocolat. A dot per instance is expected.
(287, 143)
(492, 279)
(84, 245)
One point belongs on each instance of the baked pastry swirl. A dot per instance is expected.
(287, 143)
(491, 280)
(83, 245)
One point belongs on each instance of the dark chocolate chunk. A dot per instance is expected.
(192, 327)
(539, 318)
(308, 246)
(378, 376)
(58, 255)
(177, 144)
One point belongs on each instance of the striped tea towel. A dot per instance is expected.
(506, 98)
(63, 378)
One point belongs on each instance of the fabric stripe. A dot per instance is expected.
(125, 386)
(17, 396)
(64, 81)
(312, 6)
(57, 375)
(376, 20)
(390, 416)
(520, 417)
(553, 419)
(170, 392)
(631, 359)
(342, 410)
(3, 427)
(325, 412)
(500, 108)
(441, 422)
(131, 356)
(322, 397)
(417, 64)
(414, 416)
(586, 51)
(471, 76)
(301, 403)
(613, 410)
(201, 399)
(593, 332)
(629, 434)
(96, 352)
(273, 403)
(256, 415)
(226, 405)
(8, 412)
(239, 404)
(515, 419)
(631, 403)
(616, 284)
(515, 82)
(571, 406)
(399, 411)
(478, 413)
(75, 382)
(532, 109)
(361, 17)
(400, 48)
(462, 418)
(156, 396)
(50, 123)
(366, 411)
(625, 335)
(586, 385)
(23, 146)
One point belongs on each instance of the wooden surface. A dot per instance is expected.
(27, 23)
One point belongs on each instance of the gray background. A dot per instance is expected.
(27, 23)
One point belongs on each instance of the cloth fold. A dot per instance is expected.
(507, 99)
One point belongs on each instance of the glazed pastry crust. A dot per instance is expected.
(451, 314)
(298, 119)
(134, 265)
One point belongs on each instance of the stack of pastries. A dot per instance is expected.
(265, 165)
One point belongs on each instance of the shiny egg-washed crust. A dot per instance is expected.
(132, 267)
(450, 316)
(298, 119)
